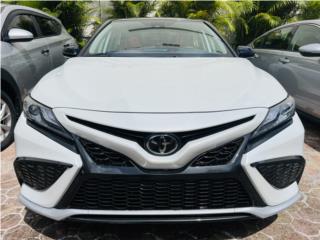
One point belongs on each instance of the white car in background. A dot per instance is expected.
(158, 120)
(32, 44)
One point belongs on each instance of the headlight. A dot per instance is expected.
(278, 116)
(43, 118)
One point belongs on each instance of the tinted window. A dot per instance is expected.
(23, 22)
(259, 42)
(161, 37)
(48, 26)
(278, 39)
(306, 34)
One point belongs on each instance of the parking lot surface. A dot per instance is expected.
(301, 221)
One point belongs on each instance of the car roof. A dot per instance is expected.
(9, 8)
(312, 21)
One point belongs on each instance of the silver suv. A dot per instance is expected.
(291, 53)
(32, 44)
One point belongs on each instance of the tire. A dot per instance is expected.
(8, 118)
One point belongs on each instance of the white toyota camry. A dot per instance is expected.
(158, 120)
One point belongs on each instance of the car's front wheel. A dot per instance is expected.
(8, 120)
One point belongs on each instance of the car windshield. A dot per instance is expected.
(157, 37)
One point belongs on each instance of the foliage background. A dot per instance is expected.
(239, 21)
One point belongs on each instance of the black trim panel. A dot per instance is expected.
(254, 142)
(66, 142)
(10, 86)
(160, 218)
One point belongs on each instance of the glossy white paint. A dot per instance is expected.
(289, 142)
(161, 85)
(162, 122)
(31, 143)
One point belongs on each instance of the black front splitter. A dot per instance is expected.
(158, 219)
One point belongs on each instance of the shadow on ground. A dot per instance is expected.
(78, 230)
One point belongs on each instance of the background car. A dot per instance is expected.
(32, 44)
(291, 53)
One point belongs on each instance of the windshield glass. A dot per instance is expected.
(157, 37)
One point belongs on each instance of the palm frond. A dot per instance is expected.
(279, 7)
(267, 19)
(224, 24)
(202, 14)
(311, 10)
(135, 8)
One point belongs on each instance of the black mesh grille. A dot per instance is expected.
(105, 156)
(149, 194)
(218, 156)
(38, 175)
(281, 174)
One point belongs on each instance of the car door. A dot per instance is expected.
(302, 74)
(56, 37)
(271, 49)
(32, 58)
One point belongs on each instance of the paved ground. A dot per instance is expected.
(301, 221)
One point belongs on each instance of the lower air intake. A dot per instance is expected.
(38, 174)
(128, 193)
(280, 173)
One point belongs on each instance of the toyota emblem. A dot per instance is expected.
(162, 144)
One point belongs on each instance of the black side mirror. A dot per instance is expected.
(71, 51)
(245, 51)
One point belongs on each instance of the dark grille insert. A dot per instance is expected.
(218, 156)
(148, 194)
(38, 174)
(281, 172)
(102, 155)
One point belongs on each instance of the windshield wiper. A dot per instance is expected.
(170, 28)
(106, 54)
(170, 45)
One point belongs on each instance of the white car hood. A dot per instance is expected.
(158, 85)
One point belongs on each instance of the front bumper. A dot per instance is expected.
(54, 202)
(159, 216)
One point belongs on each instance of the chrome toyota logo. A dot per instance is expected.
(162, 144)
